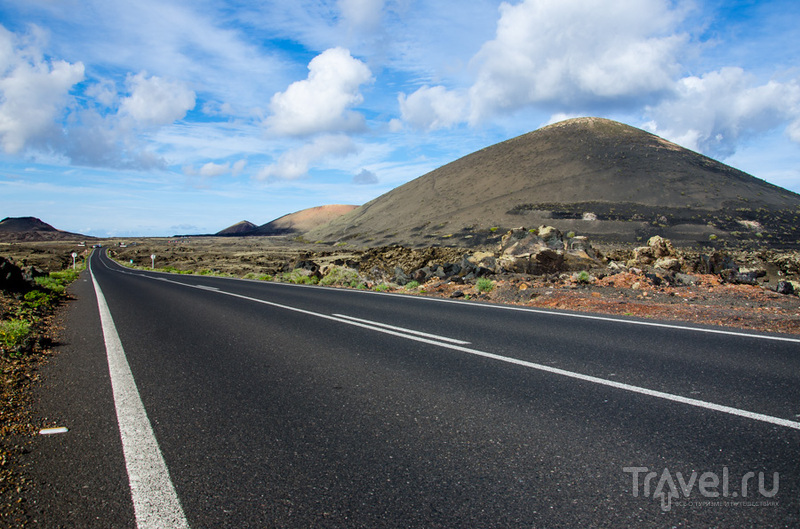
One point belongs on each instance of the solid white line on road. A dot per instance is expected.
(155, 501)
(532, 365)
(403, 330)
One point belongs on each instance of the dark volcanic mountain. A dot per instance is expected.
(240, 228)
(32, 229)
(594, 176)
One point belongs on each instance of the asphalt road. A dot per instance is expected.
(272, 405)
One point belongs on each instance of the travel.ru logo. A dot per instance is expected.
(666, 488)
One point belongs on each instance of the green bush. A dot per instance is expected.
(412, 284)
(299, 278)
(259, 277)
(339, 275)
(51, 284)
(484, 285)
(14, 332)
(66, 276)
(36, 298)
(583, 277)
(383, 287)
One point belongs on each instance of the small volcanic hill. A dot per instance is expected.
(596, 177)
(19, 229)
(302, 221)
(240, 228)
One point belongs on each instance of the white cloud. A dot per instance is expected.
(295, 163)
(155, 101)
(712, 113)
(34, 93)
(104, 92)
(213, 170)
(433, 108)
(577, 52)
(322, 102)
(365, 177)
(363, 15)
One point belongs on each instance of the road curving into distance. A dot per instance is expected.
(210, 402)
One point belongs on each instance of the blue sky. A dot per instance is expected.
(157, 117)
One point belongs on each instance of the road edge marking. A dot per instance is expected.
(155, 502)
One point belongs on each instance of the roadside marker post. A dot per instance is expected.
(153, 261)
(74, 255)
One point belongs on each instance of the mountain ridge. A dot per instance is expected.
(33, 229)
(635, 184)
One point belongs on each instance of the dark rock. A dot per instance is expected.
(421, 275)
(717, 262)
(451, 269)
(12, 279)
(478, 271)
(654, 279)
(546, 261)
(400, 277)
(439, 272)
(785, 288)
(311, 266)
(457, 294)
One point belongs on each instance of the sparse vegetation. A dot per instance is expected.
(259, 277)
(339, 275)
(12, 334)
(484, 285)
(411, 285)
(299, 277)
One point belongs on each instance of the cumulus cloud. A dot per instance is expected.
(323, 101)
(577, 52)
(34, 93)
(365, 177)
(431, 108)
(294, 164)
(711, 113)
(39, 113)
(155, 101)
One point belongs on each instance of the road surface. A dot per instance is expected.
(198, 402)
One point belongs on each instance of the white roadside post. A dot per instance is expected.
(74, 255)
(153, 261)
